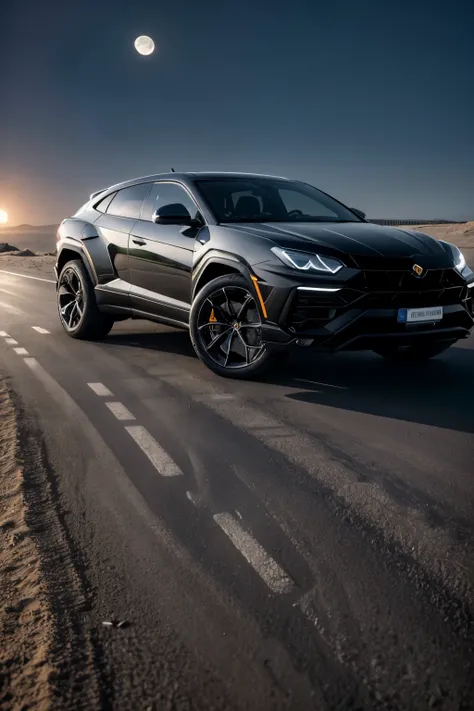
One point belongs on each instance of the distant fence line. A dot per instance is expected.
(415, 222)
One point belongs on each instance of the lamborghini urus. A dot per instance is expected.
(255, 265)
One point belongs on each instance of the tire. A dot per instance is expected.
(413, 354)
(77, 307)
(214, 318)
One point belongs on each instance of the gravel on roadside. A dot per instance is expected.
(26, 626)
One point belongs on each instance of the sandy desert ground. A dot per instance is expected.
(25, 618)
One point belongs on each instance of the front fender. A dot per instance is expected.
(218, 262)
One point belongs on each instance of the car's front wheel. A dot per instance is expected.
(77, 306)
(412, 354)
(226, 328)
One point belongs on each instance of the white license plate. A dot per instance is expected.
(434, 313)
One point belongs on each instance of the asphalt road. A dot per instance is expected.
(304, 542)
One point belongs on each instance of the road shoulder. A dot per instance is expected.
(45, 655)
(40, 266)
(25, 616)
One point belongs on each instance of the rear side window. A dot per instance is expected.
(105, 202)
(128, 202)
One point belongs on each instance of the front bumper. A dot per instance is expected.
(362, 313)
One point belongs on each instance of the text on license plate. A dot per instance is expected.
(435, 313)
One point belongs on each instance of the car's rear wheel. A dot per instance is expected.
(77, 306)
(412, 354)
(226, 328)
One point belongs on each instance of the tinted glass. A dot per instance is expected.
(270, 200)
(167, 194)
(297, 202)
(235, 197)
(103, 204)
(128, 202)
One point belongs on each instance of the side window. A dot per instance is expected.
(105, 202)
(128, 202)
(167, 194)
(294, 200)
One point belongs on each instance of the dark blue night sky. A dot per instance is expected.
(370, 101)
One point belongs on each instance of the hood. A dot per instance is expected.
(365, 240)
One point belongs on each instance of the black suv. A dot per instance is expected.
(254, 265)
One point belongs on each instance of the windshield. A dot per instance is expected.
(270, 200)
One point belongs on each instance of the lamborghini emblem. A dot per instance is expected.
(417, 269)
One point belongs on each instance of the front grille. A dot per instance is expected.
(372, 289)
(402, 288)
(404, 280)
(412, 299)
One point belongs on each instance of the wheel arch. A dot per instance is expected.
(216, 267)
(70, 252)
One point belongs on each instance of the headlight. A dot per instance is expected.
(458, 256)
(308, 262)
(459, 261)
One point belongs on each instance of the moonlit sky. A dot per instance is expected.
(371, 101)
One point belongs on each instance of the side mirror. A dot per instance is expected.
(174, 214)
(359, 213)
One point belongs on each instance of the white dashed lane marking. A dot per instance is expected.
(11, 342)
(27, 276)
(4, 334)
(21, 351)
(120, 411)
(261, 561)
(272, 574)
(40, 329)
(100, 389)
(155, 453)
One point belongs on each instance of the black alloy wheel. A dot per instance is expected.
(70, 298)
(77, 306)
(226, 328)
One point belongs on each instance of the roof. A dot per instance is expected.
(230, 174)
(184, 177)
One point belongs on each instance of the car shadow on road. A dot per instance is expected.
(176, 342)
(439, 392)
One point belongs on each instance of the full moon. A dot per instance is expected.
(144, 45)
(3, 217)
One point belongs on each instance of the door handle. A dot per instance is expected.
(138, 240)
